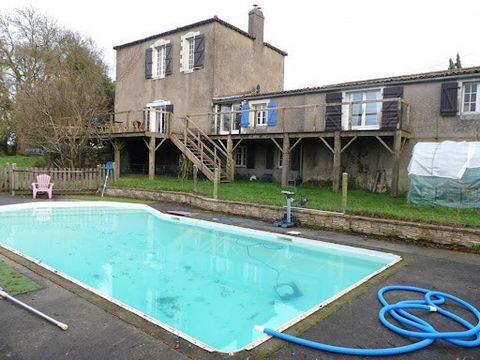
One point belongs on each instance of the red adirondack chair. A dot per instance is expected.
(43, 184)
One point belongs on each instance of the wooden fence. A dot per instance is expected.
(13, 179)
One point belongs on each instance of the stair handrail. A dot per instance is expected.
(188, 121)
(213, 156)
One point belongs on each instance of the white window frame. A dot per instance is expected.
(233, 115)
(253, 118)
(159, 46)
(346, 115)
(187, 57)
(462, 98)
(242, 151)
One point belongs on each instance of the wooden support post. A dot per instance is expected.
(216, 180)
(230, 159)
(285, 160)
(397, 146)
(337, 150)
(117, 149)
(344, 191)
(151, 158)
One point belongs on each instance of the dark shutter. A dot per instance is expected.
(168, 59)
(169, 108)
(148, 63)
(199, 52)
(449, 99)
(269, 159)
(251, 156)
(391, 109)
(333, 113)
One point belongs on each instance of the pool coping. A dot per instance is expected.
(155, 212)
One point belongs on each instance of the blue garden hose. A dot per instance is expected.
(426, 333)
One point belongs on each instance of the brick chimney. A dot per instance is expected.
(255, 23)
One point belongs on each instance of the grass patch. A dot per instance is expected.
(359, 202)
(13, 282)
(22, 161)
(105, 198)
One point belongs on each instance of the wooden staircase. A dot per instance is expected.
(201, 150)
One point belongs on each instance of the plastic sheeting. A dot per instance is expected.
(445, 173)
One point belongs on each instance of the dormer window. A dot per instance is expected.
(192, 52)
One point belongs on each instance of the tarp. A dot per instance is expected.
(445, 173)
(447, 159)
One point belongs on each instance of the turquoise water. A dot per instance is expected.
(210, 282)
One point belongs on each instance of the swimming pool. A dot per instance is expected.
(209, 283)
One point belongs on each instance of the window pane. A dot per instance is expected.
(190, 42)
(371, 119)
(357, 96)
(357, 109)
(373, 95)
(357, 120)
(372, 107)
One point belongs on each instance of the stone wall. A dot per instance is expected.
(444, 235)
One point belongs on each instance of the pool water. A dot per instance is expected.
(208, 282)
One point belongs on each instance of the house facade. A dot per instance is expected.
(215, 93)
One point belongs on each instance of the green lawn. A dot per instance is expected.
(13, 282)
(359, 202)
(21, 160)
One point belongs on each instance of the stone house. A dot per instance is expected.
(214, 93)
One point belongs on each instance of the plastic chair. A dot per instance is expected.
(43, 184)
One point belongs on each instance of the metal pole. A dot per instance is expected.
(344, 191)
(25, 306)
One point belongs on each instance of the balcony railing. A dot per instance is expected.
(383, 114)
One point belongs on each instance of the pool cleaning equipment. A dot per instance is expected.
(425, 332)
(288, 220)
(29, 308)
(108, 167)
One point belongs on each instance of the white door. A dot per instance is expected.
(229, 121)
(157, 116)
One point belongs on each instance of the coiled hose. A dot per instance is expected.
(426, 333)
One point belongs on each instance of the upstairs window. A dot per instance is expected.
(192, 52)
(190, 45)
(471, 100)
(158, 60)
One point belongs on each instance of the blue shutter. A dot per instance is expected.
(245, 119)
(272, 113)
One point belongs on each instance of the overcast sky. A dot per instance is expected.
(327, 41)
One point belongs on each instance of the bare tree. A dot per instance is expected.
(56, 85)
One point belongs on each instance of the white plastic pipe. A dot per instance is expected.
(25, 306)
